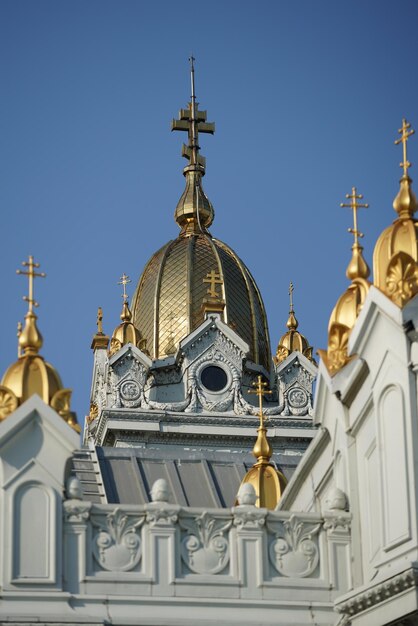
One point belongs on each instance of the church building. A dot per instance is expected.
(211, 484)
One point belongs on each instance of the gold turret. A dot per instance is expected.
(396, 252)
(268, 482)
(194, 212)
(31, 374)
(349, 305)
(292, 340)
(126, 332)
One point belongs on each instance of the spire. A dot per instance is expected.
(292, 340)
(30, 339)
(268, 482)
(126, 332)
(405, 203)
(357, 268)
(292, 322)
(350, 303)
(194, 212)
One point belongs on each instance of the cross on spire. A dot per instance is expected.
(354, 205)
(124, 280)
(32, 274)
(406, 131)
(193, 121)
(291, 290)
(213, 278)
(260, 391)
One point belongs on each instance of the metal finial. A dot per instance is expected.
(19, 332)
(354, 205)
(406, 131)
(99, 321)
(260, 391)
(124, 280)
(31, 265)
(291, 290)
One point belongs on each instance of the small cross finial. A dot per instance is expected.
(100, 321)
(124, 280)
(260, 391)
(405, 133)
(354, 205)
(291, 290)
(213, 278)
(32, 274)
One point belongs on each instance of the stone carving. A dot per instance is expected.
(297, 397)
(169, 406)
(246, 494)
(73, 488)
(294, 552)
(204, 548)
(337, 500)
(159, 514)
(295, 389)
(116, 544)
(242, 407)
(160, 491)
(76, 511)
(246, 516)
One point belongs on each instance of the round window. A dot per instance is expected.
(214, 378)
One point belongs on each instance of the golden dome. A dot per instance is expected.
(31, 374)
(171, 296)
(350, 303)
(268, 482)
(168, 303)
(396, 252)
(292, 340)
(125, 332)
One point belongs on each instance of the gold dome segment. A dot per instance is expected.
(126, 332)
(172, 297)
(267, 481)
(194, 212)
(349, 305)
(292, 340)
(31, 373)
(396, 252)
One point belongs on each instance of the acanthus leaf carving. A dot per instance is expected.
(116, 543)
(204, 547)
(294, 552)
(76, 511)
(159, 514)
(249, 517)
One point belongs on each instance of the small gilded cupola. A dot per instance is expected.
(126, 332)
(292, 340)
(268, 482)
(396, 252)
(194, 212)
(349, 305)
(31, 374)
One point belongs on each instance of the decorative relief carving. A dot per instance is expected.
(162, 515)
(204, 548)
(76, 511)
(116, 544)
(249, 517)
(295, 388)
(402, 278)
(294, 552)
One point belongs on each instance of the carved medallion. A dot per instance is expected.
(297, 397)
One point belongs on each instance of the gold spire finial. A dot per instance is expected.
(19, 332)
(99, 321)
(262, 449)
(124, 280)
(30, 339)
(292, 322)
(194, 210)
(406, 131)
(357, 268)
(31, 274)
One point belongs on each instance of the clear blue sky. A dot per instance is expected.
(307, 98)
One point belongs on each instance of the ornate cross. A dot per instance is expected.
(260, 390)
(124, 280)
(405, 134)
(31, 265)
(193, 121)
(291, 290)
(354, 205)
(213, 278)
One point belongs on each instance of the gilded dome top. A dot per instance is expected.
(31, 374)
(292, 340)
(168, 303)
(172, 294)
(395, 258)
